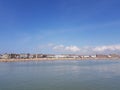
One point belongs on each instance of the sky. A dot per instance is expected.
(60, 26)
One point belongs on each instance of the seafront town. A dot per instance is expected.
(27, 57)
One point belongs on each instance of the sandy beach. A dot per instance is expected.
(51, 59)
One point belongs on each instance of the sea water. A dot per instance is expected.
(60, 75)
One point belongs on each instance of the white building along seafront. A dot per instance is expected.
(32, 56)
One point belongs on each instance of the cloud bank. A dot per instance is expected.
(74, 49)
(106, 49)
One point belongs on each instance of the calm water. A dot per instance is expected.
(60, 75)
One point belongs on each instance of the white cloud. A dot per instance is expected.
(72, 48)
(88, 50)
(107, 48)
(66, 48)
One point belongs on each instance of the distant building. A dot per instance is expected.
(14, 56)
(85, 56)
(114, 56)
(23, 56)
(60, 56)
(49, 56)
(39, 55)
(73, 56)
(0, 56)
(31, 56)
(6, 56)
(93, 56)
(101, 56)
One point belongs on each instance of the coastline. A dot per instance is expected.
(54, 59)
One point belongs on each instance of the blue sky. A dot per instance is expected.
(59, 26)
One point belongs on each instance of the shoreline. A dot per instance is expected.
(54, 59)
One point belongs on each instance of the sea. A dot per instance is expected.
(60, 75)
